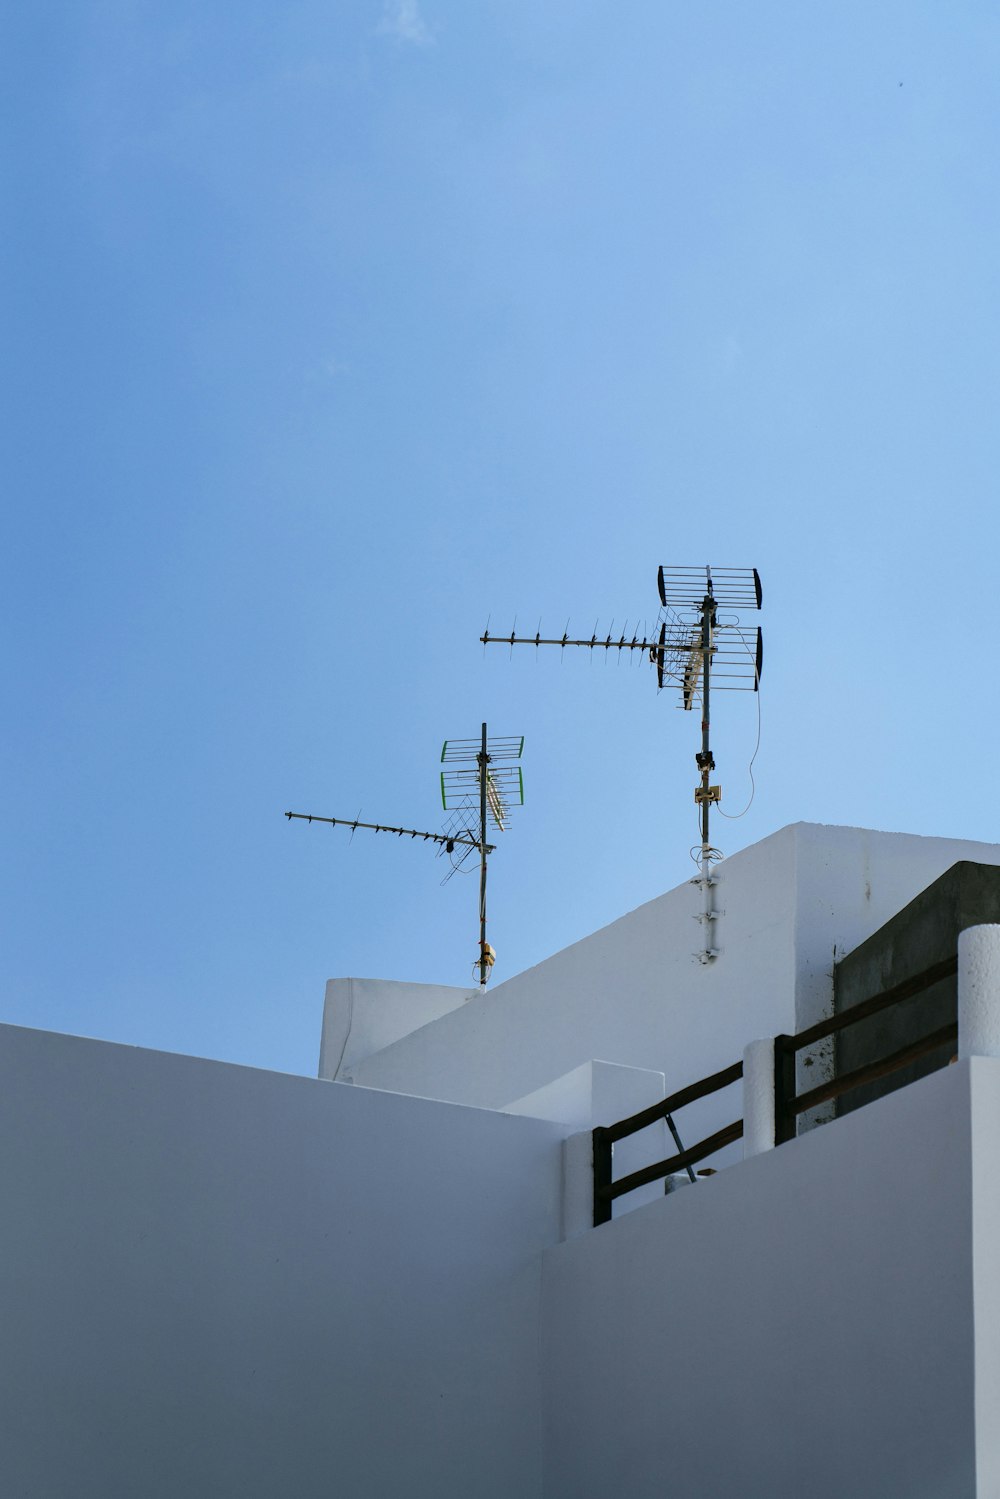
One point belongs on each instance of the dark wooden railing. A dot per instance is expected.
(606, 1189)
(788, 1104)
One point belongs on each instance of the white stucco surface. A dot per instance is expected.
(985, 1076)
(801, 1324)
(362, 1016)
(758, 1097)
(630, 994)
(633, 994)
(596, 1093)
(979, 992)
(219, 1281)
(222, 1281)
(601, 1093)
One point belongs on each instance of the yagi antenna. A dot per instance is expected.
(693, 652)
(479, 798)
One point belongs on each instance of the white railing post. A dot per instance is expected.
(979, 992)
(578, 1184)
(758, 1097)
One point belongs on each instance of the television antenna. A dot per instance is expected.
(693, 651)
(479, 787)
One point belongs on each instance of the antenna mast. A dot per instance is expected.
(706, 794)
(687, 653)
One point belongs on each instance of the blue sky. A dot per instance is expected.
(331, 331)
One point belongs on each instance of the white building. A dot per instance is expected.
(384, 1282)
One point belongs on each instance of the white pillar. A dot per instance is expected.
(979, 992)
(758, 1097)
(578, 1184)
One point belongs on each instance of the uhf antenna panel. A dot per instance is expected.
(737, 652)
(699, 643)
(732, 587)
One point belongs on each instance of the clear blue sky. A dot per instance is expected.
(331, 330)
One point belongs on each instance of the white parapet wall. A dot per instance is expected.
(363, 1016)
(824, 1319)
(601, 1093)
(220, 1281)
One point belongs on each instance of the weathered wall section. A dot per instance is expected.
(924, 933)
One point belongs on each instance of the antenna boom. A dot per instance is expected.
(466, 838)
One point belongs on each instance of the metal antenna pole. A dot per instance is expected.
(706, 764)
(483, 759)
(705, 761)
(479, 794)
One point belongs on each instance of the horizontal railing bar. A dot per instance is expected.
(872, 1071)
(905, 990)
(687, 1157)
(690, 1094)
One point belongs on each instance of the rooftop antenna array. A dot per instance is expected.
(698, 643)
(479, 796)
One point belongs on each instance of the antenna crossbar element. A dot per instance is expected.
(737, 658)
(498, 747)
(464, 836)
(504, 788)
(732, 587)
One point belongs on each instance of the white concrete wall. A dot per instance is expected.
(218, 1281)
(362, 1016)
(985, 1075)
(596, 1093)
(601, 1093)
(633, 994)
(802, 1324)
